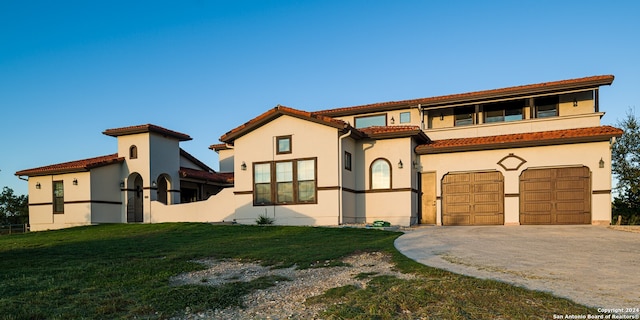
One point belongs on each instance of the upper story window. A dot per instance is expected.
(504, 111)
(546, 106)
(405, 117)
(58, 197)
(283, 144)
(380, 174)
(133, 152)
(464, 116)
(347, 160)
(369, 121)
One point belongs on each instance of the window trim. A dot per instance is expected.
(133, 152)
(355, 119)
(295, 181)
(56, 199)
(405, 113)
(278, 139)
(348, 158)
(556, 104)
(371, 174)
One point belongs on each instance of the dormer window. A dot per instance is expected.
(133, 152)
(370, 121)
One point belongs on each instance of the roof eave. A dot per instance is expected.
(425, 149)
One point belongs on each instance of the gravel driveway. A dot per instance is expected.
(594, 266)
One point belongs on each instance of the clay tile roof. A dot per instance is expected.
(72, 166)
(382, 132)
(591, 134)
(538, 88)
(274, 113)
(145, 128)
(219, 146)
(224, 178)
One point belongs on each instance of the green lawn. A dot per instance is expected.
(123, 271)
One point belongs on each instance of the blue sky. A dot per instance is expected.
(71, 69)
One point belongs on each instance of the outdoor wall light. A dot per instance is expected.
(243, 166)
(393, 120)
(575, 102)
(38, 185)
(121, 184)
(441, 116)
(75, 181)
(154, 184)
(400, 165)
(601, 163)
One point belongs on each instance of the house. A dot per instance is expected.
(532, 154)
(119, 188)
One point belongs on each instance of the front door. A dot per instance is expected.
(428, 185)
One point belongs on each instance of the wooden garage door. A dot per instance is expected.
(473, 198)
(555, 196)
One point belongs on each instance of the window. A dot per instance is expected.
(369, 121)
(347, 160)
(58, 197)
(380, 174)
(503, 111)
(464, 116)
(546, 107)
(283, 144)
(306, 181)
(133, 152)
(405, 117)
(285, 182)
(262, 181)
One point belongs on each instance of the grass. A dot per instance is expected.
(123, 271)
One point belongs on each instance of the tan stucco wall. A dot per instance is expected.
(105, 187)
(309, 140)
(225, 158)
(586, 103)
(587, 154)
(217, 208)
(41, 215)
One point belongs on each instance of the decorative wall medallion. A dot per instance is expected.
(511, 162)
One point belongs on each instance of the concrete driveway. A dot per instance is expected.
(591, 265)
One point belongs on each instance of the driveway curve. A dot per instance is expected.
(594, 266)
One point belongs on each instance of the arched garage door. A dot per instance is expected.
(555, 196)
(473, 198)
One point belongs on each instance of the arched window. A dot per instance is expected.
(380, 174)
(133, 152)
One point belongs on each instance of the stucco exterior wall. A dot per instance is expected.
(218, 208)
(395, 205)
(308, 140)
(106, 196)
(225, 158)
(77, 207)
(587, 154)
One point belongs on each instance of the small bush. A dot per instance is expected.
(264, 220)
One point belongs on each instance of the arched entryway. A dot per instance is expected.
(134, 198)
(164, 184)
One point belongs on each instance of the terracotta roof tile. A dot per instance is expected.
(144, 128)
(72, 166)
(382, 132)
(226, 177)
(475, 96)
(219, 146)
(589, 134)
(275, 113)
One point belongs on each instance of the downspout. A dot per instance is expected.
(340, 166)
